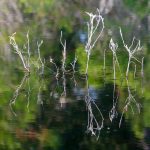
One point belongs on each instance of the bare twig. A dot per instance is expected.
(63, 67)
(63, 54)
(24, 61)
(131, 51)
(113, 46)
(93, 25)
(142, 67)
(28, 49)
(39, 57)
(73, 64)
(57, 69)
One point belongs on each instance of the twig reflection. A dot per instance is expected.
(113, 112)
(130, 102)
(94, 124)
(73, 64)
(16, 93)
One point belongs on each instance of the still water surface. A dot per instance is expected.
(69, 113)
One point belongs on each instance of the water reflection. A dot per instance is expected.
(70, 115)
(130, 102)
(95, 124)
(17, 92)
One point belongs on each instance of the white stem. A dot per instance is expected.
(28, 49)
(87, 63)
(128, 66)
(114, 66)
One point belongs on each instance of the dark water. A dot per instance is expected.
(56, 107)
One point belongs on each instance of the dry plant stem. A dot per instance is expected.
(104, 65)
(73, 64)
(87, 63)
(113, 47)
(142, 74)
(93, 124)
(63, 67)
(128, 67)
(130, 100)
(134, 69)
(57, 69)
(142, 67)
(39, 56)
(28, 49)
(113, 112)
(18, 51)
(131, 51)
(64, 85)
(64, 93)
(63, 54)
(93, 25)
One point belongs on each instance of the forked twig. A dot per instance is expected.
(42, 62)
(63, 67)
(131, 51)
(93, 25)
(18, 51)
(113, 46)
(57, 69)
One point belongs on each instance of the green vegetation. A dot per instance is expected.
(140, 7)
